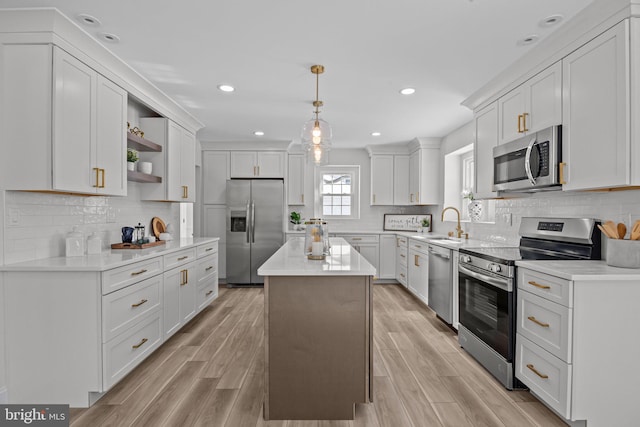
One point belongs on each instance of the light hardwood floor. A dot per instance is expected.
(211, 374)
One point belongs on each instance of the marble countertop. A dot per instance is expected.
(582, 270)
(290, 260)
(107, 260)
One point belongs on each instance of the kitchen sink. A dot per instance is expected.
(446, 240)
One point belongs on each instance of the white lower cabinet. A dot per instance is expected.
(88, 329)
(387, 262)
(418, 269)
(367, 245)
(401, 260)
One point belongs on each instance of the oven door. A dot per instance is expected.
(486, 306)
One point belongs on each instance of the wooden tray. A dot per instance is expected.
(136, 246)
(157, 226)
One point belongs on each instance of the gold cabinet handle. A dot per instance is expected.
(417, 197)
(561, 172)
(185, 192)
(208, 249)
(185, 277)
(411, 198)
(139, 303)
(535, 371)
(519, 123)
(538, 285)
(135, 273)
(208, 293)
(208, 268)
(183, 257)
(302, 198)
(97, 184)
(102, 172)
(524, 122)
(402, 255)
(254, 171)
(418, 246)
(415, 261)
(537, 322)
(356, 238)
(402, 275)
(144, 340)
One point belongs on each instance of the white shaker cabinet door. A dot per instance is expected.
(401, 180)
(270, 164)
(511, 107)
(382, 180)
(111, 139)
(295, 179)
(215, 173)
(244, 164)
(187, 166)
(486, 138)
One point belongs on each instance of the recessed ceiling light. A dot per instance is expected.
(258, 133)
(375, 134)
(550, 21)
(407, 91)
(528, 40)
(108, 37)
(226, 88)
(89, 20)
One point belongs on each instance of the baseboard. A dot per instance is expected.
(4, 396)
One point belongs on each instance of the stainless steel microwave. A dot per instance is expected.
(529, 163)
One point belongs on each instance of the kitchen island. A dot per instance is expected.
(318, 332)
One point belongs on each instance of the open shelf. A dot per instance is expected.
(142, 177)
(141, 144)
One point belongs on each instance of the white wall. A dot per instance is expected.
(3, 381)
(371, 217)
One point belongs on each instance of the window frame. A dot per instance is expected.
(354, 171)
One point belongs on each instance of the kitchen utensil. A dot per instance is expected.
(611, 229)
(158, 226)
(623, 253)
(635, 231)
(606, 232)
(622, 230)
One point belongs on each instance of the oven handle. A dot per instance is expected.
(493, 281)
(527, 161)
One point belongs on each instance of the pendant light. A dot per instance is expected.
(316, 133)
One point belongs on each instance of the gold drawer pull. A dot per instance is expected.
(402, 275)
(415, 261)
(135, 273)
(418, 246)
(537, 322)
(138, 304)
(208, 293)
(561, 166)
(97, 184)
(538, 285)
(208, 268)
(144, 340)
(208, 249)
(402, 255)
(535, 371)
(184, 278)
(102, 172)
(183, 257)
(356, 238)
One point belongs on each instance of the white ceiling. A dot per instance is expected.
(446, 49)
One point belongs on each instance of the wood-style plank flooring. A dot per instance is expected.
(211, 374)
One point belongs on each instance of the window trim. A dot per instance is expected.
(354, 171)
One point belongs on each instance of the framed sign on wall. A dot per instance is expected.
(394, 222)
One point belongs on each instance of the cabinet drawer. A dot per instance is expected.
(179, 258)
(360, 239)
(121, 309)
(402, 274)
(546, 375)
(207, 292)
(206, 268)
(402, 241)
(545, 323)
(120, 277)
(402, 256)
(419, 246)
(124, 352)
(547, 286)
(208, 249)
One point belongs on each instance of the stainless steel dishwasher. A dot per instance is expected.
(440, 282)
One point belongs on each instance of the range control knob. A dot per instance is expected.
(495, 268)
(465, 258)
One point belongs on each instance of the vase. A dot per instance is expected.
(131, 166)
(475, 210)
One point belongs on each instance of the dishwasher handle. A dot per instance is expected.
(439, 254)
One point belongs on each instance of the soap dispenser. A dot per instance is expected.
(74, 243)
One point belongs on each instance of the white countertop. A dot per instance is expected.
(106, 260)
(582, 270)
(290, 260)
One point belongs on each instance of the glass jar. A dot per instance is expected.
(316, 242)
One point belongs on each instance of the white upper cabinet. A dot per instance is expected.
(532, 106)
(69, 119)
(400, 180)
(486, 137)
(215, 173)
(382, 180)
(424, 176)
(257, 164)
(596, 133)
(295, 179)
(175, 164)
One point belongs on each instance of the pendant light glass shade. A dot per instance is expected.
(316, 133)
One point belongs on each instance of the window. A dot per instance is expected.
(337, 192)
(467, 166)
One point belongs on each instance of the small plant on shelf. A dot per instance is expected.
(132, 155)
(467, 194)
(295, 217)
(425, 223)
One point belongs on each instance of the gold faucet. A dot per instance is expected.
(459, 230)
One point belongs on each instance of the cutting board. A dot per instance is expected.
(135, 245)
(157, 226)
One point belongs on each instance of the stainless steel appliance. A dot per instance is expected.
(440, 279)
(487, 286)
(255, 218)
(530, 163)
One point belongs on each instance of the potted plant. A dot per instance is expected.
(295, 219)
(132, 158)
(425, 224)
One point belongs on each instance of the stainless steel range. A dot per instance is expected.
(487, 286)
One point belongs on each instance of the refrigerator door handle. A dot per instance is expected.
(248, 224)
(253, 222)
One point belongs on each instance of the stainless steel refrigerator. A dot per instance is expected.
(255, 220)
